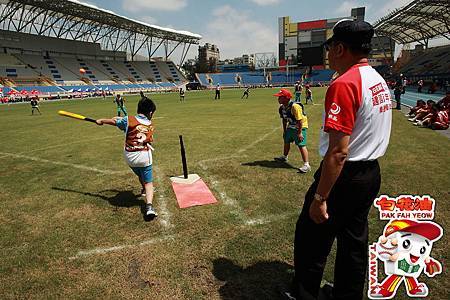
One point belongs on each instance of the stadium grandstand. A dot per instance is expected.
(302, 58)
(418, 23)
(263, 78)
(63, 47)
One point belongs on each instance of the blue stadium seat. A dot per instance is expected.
(42, 89)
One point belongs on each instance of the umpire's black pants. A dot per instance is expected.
(348, 207)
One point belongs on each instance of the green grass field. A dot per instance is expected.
(71, 226)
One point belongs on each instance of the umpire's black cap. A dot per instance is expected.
(357, 33)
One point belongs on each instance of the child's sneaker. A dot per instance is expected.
(281, 158)
(305, 168)
(149, 212)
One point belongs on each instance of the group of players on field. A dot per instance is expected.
(139, 133)
(139, 130)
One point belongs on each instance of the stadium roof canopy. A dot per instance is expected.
(418, 21)
(71, 19)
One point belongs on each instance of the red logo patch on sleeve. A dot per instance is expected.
(376, 89)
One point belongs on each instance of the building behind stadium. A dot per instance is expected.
(300, 43)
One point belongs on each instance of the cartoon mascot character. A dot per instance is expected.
(405, 250)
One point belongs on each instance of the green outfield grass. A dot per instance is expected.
(66, 191)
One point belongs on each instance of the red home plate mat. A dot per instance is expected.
(191, 191)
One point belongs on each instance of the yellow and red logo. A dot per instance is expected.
(405, 246)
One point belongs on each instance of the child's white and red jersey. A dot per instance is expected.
(138, 136)
(358, 103)
(442, 118)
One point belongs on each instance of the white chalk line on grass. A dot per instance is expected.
(164, 214)
(248, 222)
(236, 209)
(232, 203)
(257, 141)
(77, 166)
(238, 153)
(62, 145)
(97, 251)
(268, 219)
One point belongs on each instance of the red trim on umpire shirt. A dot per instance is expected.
(342, 101)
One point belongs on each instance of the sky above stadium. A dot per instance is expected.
(240, 26)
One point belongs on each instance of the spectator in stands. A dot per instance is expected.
(398, 94)
(298, 91)
(246, 93)
(217, 92)
(419, 86)
(420, 104)
(35, 105)
(119, 100)
(295, 127)
(308, 93)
